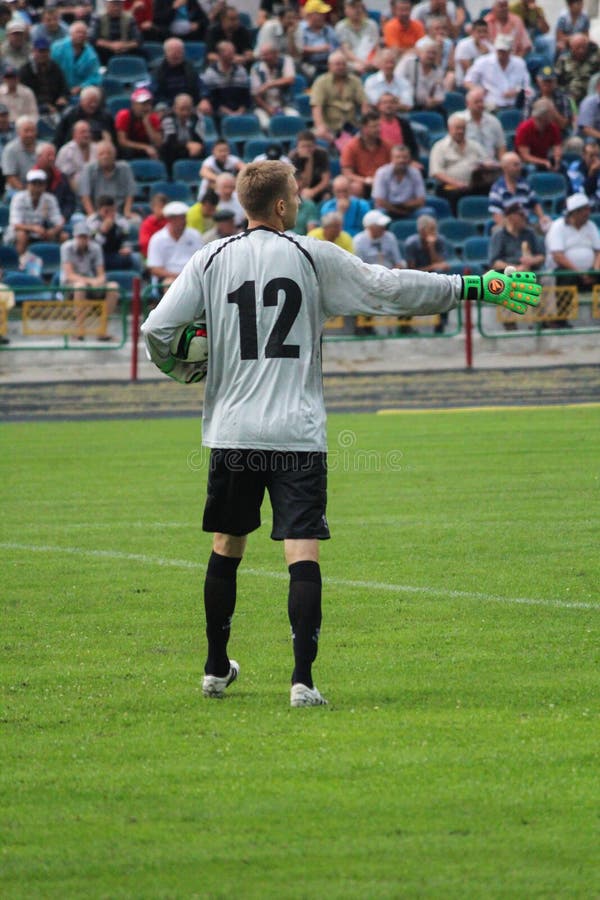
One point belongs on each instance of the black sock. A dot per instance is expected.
(304, 610)
(219, 605)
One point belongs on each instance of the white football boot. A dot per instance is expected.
(301, 695)
(212, 686)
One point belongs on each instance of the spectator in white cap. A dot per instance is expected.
(503, 76)
(573, 243)
(139, 133)
(15, 49)
(376, 245)
(173, 246)
(34, 214)
(82, 267)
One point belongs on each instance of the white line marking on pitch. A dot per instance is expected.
(282, 576)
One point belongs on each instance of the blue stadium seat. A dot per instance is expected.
(422, 136)
(255, 146)
(123, 277)
(239, 129)
(9, 258)
(112, 87)
(300, 84)
(432, 121)
(146, 173)
(210, 129)
(175, 190)
(403, 228)
(127, 69)
(49, 254)
(510, 119)
(246, 20)
(457, 232)
(286, 128)
(187, 170)
(117, 103)
(195, 51)
(454, 101)
(154, 53)
(537, 61)
(148, 170)
(375, 14)
(26, 287)
(45, 131)
(439, 205)
(474, 209)
(4, 214)
(475, 254)
(551, 189)
(302, 104)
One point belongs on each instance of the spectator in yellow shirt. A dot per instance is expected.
(331, 230)
(201, 215)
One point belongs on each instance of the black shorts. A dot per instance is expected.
(297, 486)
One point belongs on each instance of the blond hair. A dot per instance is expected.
(260, 184)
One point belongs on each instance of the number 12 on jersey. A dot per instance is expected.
(245, 299)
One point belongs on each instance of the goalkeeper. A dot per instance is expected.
(265, 296)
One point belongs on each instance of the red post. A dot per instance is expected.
(135, 326)
(468, 336)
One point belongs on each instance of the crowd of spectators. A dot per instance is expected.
(124, 124)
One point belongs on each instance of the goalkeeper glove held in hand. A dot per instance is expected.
(515, 291)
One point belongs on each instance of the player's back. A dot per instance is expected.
(264, 387)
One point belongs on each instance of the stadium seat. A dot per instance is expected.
(45, 131)
(246, 20)
(9, 258)
(175, 190)
(375, 14)
(127, 69)
(432, 121)
(187, 171)
(302, 104)
(239, 129)
(454, 101)
(26, 287)
(595, 218)
(112, 87)
(49, 254)
(210, 129)
(551, 189)
(117, 103)
(300, 84)
(286, 128)
(255, 146)
(124, 278)
(457, 232)
(422, 136)
(510, 119)
(154, 52)
(475, 254)
(195, 51)
(148, 170)
(474, 208)
(335, 167)
(439, 205)
(403, 228)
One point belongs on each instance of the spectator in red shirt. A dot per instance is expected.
(139, 133)
(364, 154)
(537, 140)
(152, 223)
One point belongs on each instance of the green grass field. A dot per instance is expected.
(459, 755)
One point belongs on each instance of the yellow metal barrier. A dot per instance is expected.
(559, 302)
(383, 321)
(596, 302)
(64, 317)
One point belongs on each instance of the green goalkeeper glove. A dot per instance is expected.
(515, 291)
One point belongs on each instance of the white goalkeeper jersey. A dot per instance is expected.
(265, 296)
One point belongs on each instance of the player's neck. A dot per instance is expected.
(275, 224)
